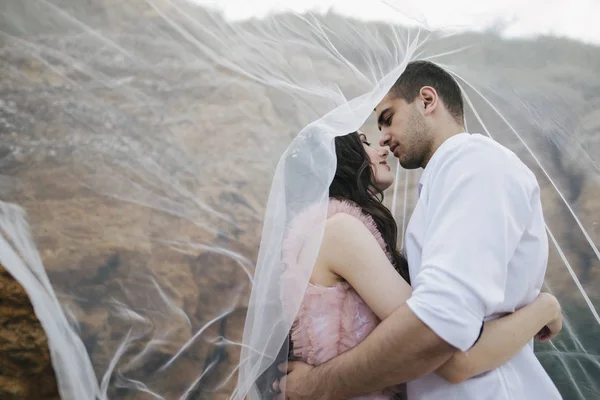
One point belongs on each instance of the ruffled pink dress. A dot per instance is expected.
(331, 320)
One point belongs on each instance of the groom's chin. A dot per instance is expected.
(408, 164)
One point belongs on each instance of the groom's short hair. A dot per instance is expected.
(425, 73)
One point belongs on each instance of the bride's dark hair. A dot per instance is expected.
(353, 181)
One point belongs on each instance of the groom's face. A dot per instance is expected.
(404, 130)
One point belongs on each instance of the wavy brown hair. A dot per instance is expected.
(353, 181)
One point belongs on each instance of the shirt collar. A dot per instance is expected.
(445, 147)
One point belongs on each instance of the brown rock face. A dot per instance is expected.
(26, 369)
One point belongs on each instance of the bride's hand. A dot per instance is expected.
(555, 321)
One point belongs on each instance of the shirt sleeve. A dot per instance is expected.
(478, 208)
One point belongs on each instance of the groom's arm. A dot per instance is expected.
(479, 205)
(400, 349)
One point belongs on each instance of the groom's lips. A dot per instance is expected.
(393, 149)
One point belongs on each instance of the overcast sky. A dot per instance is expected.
(576, 19)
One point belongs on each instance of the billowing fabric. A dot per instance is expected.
(154, 154)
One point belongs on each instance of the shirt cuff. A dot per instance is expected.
(448, 311)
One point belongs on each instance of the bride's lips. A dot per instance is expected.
(386, 164)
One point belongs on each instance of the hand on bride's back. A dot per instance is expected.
(296, 385)
(555, 324)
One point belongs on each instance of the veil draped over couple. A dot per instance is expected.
(450, 313)
(139, 140)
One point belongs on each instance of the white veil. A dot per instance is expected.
(139, 144)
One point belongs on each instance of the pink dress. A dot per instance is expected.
(331, 320)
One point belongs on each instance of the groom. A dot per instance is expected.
(477, 249)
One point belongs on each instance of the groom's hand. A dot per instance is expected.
(296, 385)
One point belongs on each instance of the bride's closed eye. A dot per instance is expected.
(363, 139)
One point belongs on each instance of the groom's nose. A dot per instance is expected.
(384, 140)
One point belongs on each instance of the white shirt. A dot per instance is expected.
(477, 249)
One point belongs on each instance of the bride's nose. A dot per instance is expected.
(384, 152)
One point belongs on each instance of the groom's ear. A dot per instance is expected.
(429, 98)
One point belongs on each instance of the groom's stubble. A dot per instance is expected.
(415, 142)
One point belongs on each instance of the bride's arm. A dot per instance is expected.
(350, 251)
(502, 339)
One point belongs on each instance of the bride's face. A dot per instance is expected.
(383, 176)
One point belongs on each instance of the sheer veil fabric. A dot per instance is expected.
(155, 154)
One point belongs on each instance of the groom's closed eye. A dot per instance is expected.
(385, 118)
